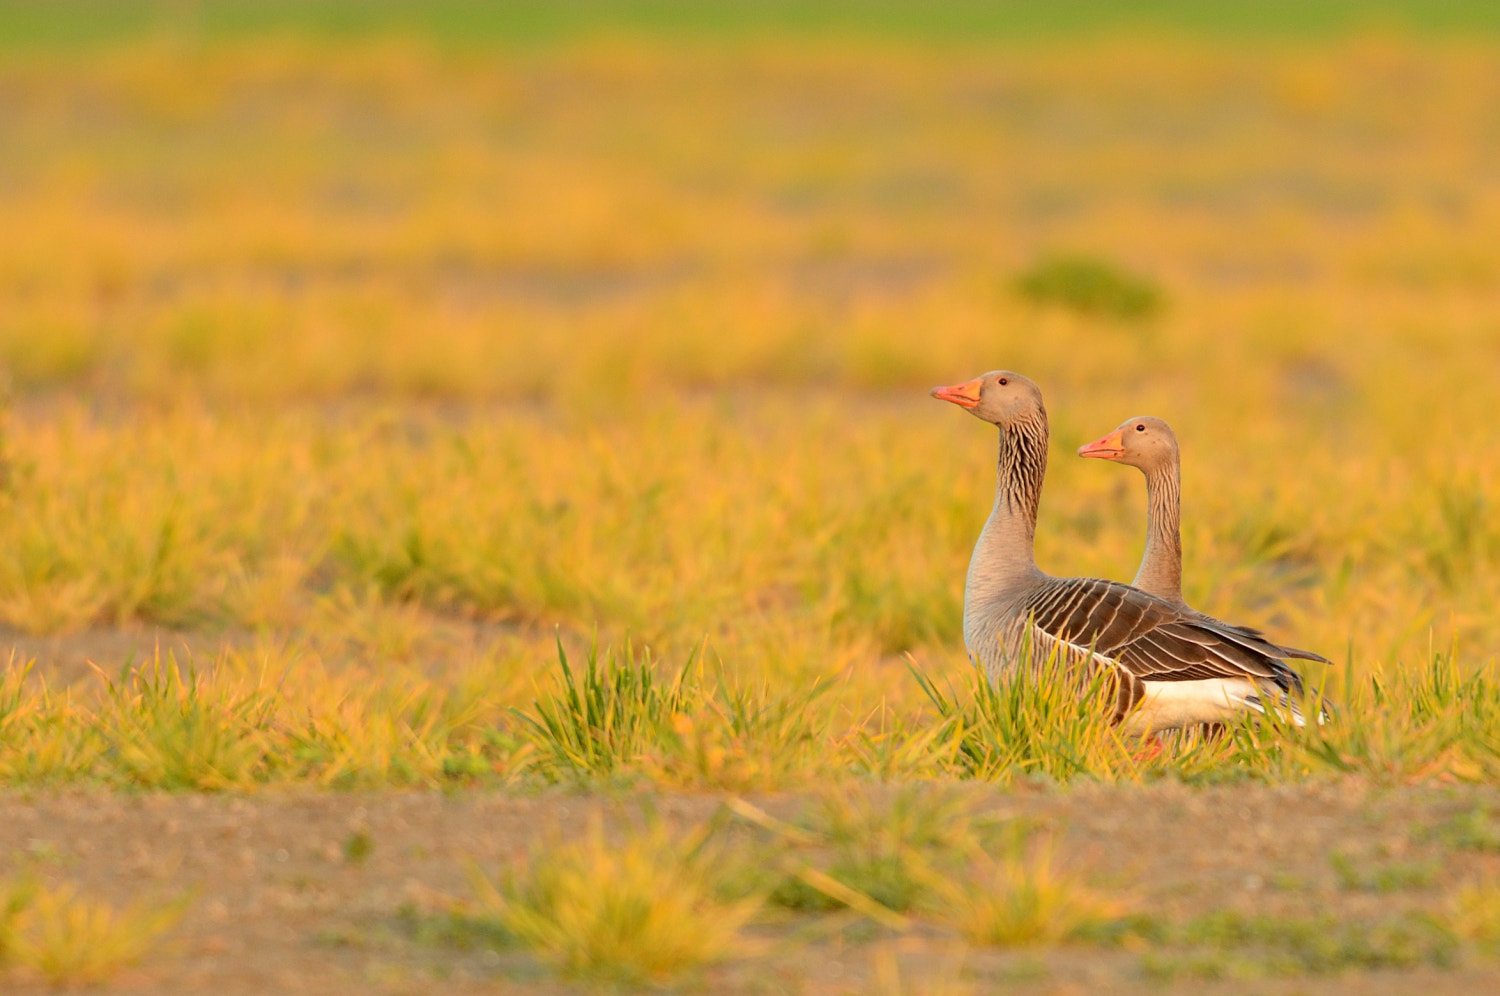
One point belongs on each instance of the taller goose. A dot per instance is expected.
(1149, 444)
(1173, 668)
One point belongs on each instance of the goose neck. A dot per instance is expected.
(1006, 548)
(1161, 566)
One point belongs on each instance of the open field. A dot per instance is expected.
(1264, 904)
(359, 365)
(1298, 888)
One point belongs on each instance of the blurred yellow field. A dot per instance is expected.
(351, 383)
(636, 336)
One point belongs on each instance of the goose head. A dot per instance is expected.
(1145, 442)
(1001, 397)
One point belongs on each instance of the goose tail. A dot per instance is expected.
(1288, 706)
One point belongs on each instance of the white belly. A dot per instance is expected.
(1170, 705)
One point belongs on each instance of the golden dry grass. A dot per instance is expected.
(638, 910)
(70, 939)
(321, 350)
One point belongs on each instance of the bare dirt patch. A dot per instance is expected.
(283, 902)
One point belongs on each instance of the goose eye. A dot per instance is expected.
(1002, 380)
(1140, 428)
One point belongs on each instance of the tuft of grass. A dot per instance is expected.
(1019, 898)
(883, 846)
(1232, 944)
(347, 729)
(162, 729)
(1416, 722)
(1045, 720)
(609, 715)
(1358, 874)
(15, 896)
(1475, 829)
(358, 847)
(1089, 285)
(887, 851)
(453, 929)
(645, 908)
(748, 737)
(231, 725)
(1474, 913)
(70, 939)
(619, 717)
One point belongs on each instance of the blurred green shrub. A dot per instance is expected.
(1091, 286)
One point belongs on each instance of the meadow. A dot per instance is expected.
(536, 410)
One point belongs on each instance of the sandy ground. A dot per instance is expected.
(278, 908)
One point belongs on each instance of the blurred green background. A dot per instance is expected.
(474, 22)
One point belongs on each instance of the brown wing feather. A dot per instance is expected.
(1260, 641)
(1149, 638)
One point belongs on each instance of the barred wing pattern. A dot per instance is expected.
(1304, 655)
(1261, 641)
(1149, 639)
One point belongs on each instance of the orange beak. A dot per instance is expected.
(1110, 447)
(964, 395)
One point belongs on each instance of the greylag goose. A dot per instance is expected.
(1149, 444)
(1171, 668)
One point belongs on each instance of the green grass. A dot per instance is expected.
(161, 729)
(611, 714)
(162, 726)
(620, 715)
(1366, 875)
(1475, 829)
(358, 847)
(71, 22)
(630, 338)
(624, 718)
(1091, 286)
(456, 930)
(531, 398)
(890, 848)
(990, 884)
(1045, 723)
(1232, 945)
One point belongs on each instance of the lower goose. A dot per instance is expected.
(1149, 444)
(1173, 668)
